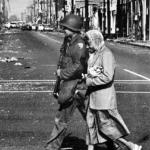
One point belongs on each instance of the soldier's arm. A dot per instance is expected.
(62, 51)
(77, 67)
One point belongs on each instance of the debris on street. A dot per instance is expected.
(7, 59)
(18, 64)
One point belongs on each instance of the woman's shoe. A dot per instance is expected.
(137, 147)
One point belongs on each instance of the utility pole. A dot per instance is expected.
(56, 12)
(34, 9)
(4, 11)
(128, 14)
(86, 15)
(41, 3)
(119, 19)
(38, 7)
(149, 18)
(38, 4)
(131, 17)
(47, 11)
(144, 20)
(64, 5)
(136, 20)
(50, 10)
(108, 16)
(104, 16)
(31, 13)
(44, 11)
(72, 6)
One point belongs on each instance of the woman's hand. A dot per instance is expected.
(84, 76)
(95, 71)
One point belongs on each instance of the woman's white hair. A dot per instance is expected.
(96, 38)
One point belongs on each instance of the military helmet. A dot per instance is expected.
(72, 22)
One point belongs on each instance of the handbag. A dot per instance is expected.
(67, 90)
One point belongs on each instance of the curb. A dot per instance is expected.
(121, 42)
(22, 148)
(133, 44)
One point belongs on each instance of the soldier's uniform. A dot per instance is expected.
(74, 59)
(72, 64)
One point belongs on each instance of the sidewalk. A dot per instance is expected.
(144, 44)
(122, 40)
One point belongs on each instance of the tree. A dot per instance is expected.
(144, 19)
(143, 14)
(1, 18)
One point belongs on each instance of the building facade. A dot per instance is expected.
(3, 11)
(116, 18)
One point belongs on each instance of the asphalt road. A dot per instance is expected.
(27, 65)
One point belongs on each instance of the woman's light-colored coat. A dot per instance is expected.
(102, 94)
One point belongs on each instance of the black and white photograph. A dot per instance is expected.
(74, 74)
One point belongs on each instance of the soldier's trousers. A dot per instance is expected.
(62, 119)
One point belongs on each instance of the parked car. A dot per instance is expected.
(20, 23)
(26, 27)
(34, 26)
(7, 25)
(40, 27)
(13, 25)
(48, 27)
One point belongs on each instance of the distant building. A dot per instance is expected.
(113, 17)
(3, 11)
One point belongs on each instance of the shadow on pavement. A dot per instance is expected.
(74, 143)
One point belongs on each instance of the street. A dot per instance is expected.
(27, 64)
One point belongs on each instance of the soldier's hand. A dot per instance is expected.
(55, 73)
(58, 72)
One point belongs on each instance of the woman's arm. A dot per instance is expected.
(107, 73)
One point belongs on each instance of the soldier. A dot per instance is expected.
(72, 64)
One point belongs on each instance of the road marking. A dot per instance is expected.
(30, 86)
(46, 80)
(139, 75)
(118, 92)
(130, 80)
(53, 80)
(133, 92)
(26, 91)
(47, 65)
(135, 82)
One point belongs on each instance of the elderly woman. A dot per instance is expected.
(103, 119)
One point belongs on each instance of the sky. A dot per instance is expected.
(18, 6)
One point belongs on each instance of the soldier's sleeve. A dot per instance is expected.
(107, 75)
(76, 68)
(62, 51)
(63, 46)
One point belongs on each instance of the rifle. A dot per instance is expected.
(56, 87)
(57, 83)
(58, 80)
